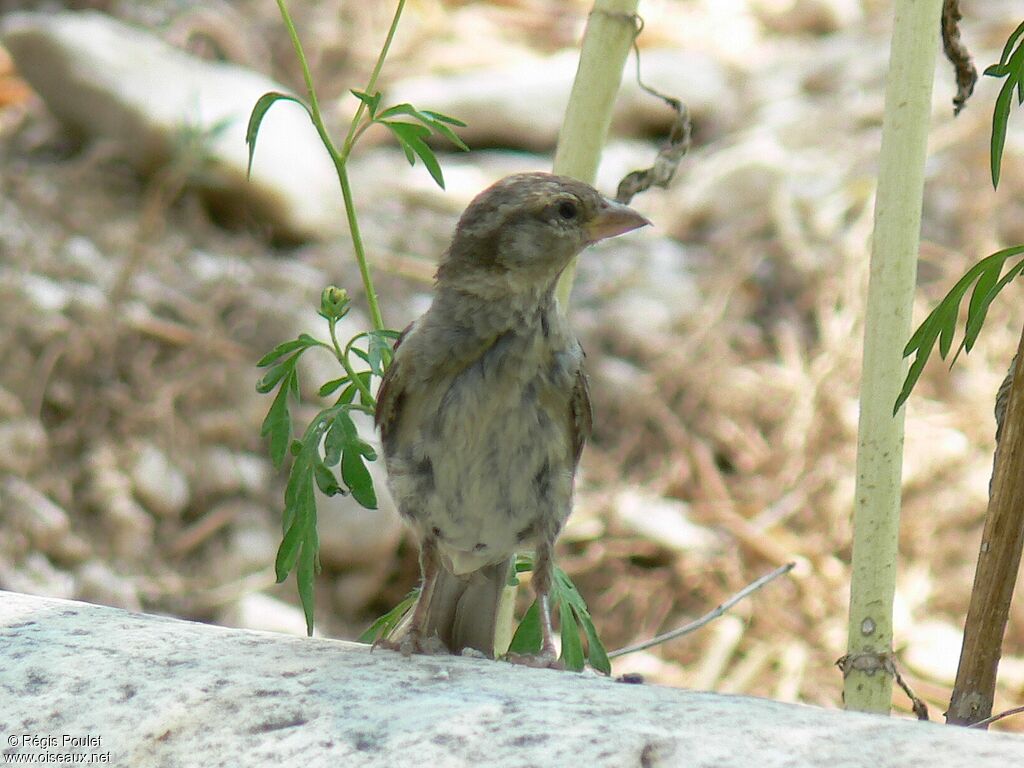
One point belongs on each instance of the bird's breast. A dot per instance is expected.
(484, 460)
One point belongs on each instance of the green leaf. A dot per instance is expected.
(347, 431)
(597, 655)
(332, 386)
(348, 394)
(298, 493)
(274, 375)
(941, 322)
(371, 102)
(1000, 118)
(431, 120)
(527, 638)
(411, 137)
(384, 625)
(259, 111)
(357, 478)
(302, 342)
(325, 480)
(380, 347)
(946, 320)
(1011, 42)
(451, 135)
(572, 648)
(277, 425)
(441, 117)
(977, 309)
(975, 323)
(288, 552)
(336, 439)
(403, 109)
(305, 573)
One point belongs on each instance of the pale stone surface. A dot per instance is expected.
(665, 521)
(159, 484)
(23, 446)
(29, 511)
(266, 614)
(98, 582)
(162, 692)
(115, 81)
(521, 104)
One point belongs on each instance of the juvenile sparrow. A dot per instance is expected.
(484, 410)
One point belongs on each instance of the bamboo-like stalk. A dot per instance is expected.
(606, 43)
(868, 681)
(588, 115)
(998, 563)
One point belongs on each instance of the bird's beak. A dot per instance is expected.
(613, 219)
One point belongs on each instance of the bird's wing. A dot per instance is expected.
(390, 393)
(581, 414)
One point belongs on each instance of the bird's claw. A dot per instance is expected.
(412, 642)
(546, 659)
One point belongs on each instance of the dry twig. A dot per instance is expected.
(706, 618)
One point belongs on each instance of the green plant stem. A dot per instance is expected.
(307, 76)
(340, 158)
(868, 682)
(588, 116)
(357, 243)
(371, 84)
(343, 359)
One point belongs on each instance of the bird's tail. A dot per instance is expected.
(463, 611)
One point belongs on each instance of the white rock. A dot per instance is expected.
(28, 510)
(664, 521)
(264, 613)
(84, 254)
(160, 485)
(97, 583)
(36, 575)
(110, 492)
(10, 405)
(522, 104)
(325, 702)
(222, 471)
(933, 650)
(23, 446)
(252, 543)
(119, 82)
(48, 295)
(352, 535)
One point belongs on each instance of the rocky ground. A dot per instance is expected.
(723, 342)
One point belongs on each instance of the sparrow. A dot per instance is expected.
(484, 410)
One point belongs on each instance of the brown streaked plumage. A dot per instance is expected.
(485, 410)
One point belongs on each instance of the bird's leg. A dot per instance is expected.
(542, 573)
(543, 569)
(412, 641)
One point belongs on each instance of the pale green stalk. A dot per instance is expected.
(606, 43)
(868, 683)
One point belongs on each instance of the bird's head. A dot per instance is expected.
(520, 233)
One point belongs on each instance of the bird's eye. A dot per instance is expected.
(567, 210)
